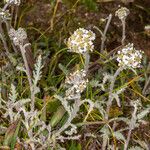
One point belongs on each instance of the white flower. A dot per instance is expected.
(81, 41)
(77, 84)
(129, 57)
(18, 36)
(4, 15)
(122, 13)
(15, 2)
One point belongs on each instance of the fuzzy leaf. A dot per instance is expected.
(21, 68)
(94, 83)
(13, 94)
(63, 69)
(143, 113)
(11, 134)
(14, 138)
(119, 136)
(37, 72)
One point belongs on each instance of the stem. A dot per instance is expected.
(104, 33)
(87, 61)
(5, 7)
(16, 16)
(123, 31)
(131, 127)
(147, 82)
(104, 143)
(109, 103)
(128, 139)
(146, 86)
(22, 49)
(3, 39)
(54, 14)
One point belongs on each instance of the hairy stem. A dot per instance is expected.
(123, 31)
(54, 14)
(5, 7)
(104, 33)
(147, 83)
(131, 127)
(22, 49)
(3, 39)
(87, 61)
(104, 143)
(110, 98)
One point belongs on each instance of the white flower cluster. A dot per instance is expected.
(18, 36)
(81, 41)
(15, 2)
(129, 56)
(77, 84)
(122, 13)
(4, 15)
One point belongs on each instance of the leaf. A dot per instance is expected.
(105, 131)
(143, 113)
(13, 94)
(11, 134)
(63, 69)
(57, 116)
(143, 144)
(94, 83)
(14, 138)
(119, 136)
(21, 68)
(75, 146)
(37, 71)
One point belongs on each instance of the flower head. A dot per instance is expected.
(18, 36)
(15, 2)
(122, 13)
(4, 15)
(129, 57)
(81, 41)
(77, 84)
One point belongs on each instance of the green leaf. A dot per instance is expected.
(57, 116)
(75, 146)
(11, 134)
(14, 138)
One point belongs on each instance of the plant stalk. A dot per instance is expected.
(110, 98)
(22, 49)
(123, 31)
(104, 33)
